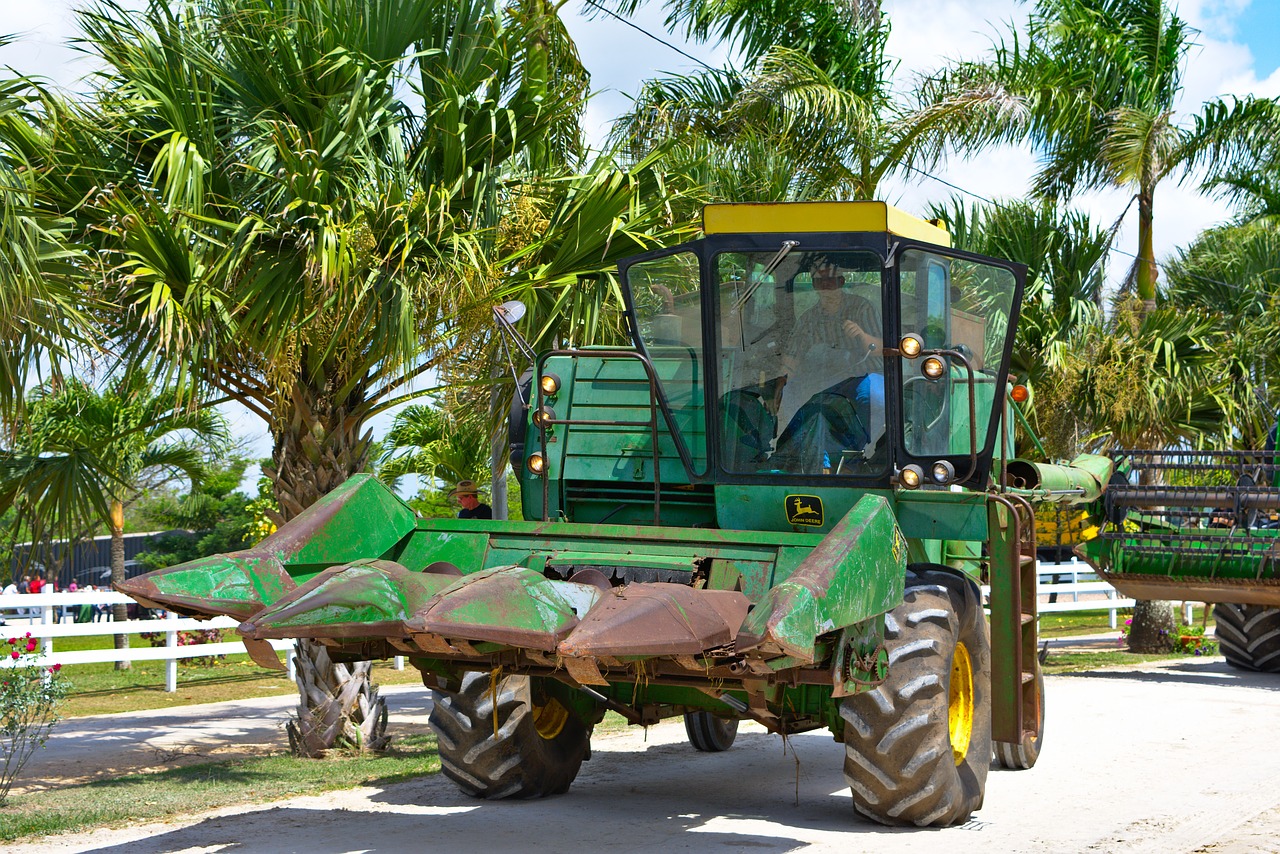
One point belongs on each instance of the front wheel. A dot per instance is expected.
(709, 733)
(918, 746)
(509, 739)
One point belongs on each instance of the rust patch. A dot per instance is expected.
(657, 619)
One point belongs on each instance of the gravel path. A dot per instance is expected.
(1181, 756)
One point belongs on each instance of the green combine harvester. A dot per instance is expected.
(776, 506)
(1200, 526)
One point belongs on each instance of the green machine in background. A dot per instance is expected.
(776, 506)
(1202, 526)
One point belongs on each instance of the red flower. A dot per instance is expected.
(15, 654)
(13, 641)
(56, 668)
(31, 646)
(28, 634)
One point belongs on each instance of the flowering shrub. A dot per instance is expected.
(29, 698)
(1193, 641)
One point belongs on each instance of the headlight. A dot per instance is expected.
(943, 472)
(542, 416)
(910, 476)
(549, 383)
(933, 368)
(536, 463)
(911, 345)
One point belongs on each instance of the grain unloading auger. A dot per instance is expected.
(775, 507)
(1200, 526)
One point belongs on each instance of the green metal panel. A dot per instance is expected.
(359, 519)
(1006, 628)
(855, 573)
(926, 514)
(933, 514)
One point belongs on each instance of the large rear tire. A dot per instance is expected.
(1022, 756)
(918, 746)
(1249, 636)
(510, 740)
(709, 733)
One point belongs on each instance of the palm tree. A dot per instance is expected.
(81, 456)
(40, 312)
(1230, 274)
(306, 206)
(816, 116)
(1065, 254)
(433, 442)
(1100, 80)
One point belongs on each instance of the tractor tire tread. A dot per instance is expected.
(503, 756)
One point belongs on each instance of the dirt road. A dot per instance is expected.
(1182, 757)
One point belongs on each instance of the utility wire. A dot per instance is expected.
(922, 172)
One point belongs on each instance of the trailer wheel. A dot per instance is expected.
(708, 733)
(918, 746)
(1249, 636)
(509, 740)
(1021, 756)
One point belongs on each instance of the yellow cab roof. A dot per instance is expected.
(796, 217)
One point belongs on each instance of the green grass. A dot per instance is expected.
(1070, 623)
(147, 797)
(1076, 662)
(98, 689)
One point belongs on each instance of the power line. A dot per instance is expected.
(907, 166)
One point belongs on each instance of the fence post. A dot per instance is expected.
(46, 617)
(290, 666)
(1188, 613)
(399, 662)
(171, 664)
(1111, 621)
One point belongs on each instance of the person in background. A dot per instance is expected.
(469, 497)
(100, 612)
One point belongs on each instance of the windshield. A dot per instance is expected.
(666, 297)
(801, 362)
(963, 306)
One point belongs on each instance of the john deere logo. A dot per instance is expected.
(804, 510)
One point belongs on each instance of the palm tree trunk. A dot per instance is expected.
(119, 611)
(1146, 273)
(338, 705)
(1152, 628)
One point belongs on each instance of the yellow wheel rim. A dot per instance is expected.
(960, 703)
(550, 719)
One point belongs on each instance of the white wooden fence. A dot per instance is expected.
(40, 614)
(1084, 592)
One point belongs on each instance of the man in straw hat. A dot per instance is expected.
(468, 496)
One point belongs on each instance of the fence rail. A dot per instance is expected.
(45, 610)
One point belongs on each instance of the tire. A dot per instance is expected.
(531, 747)
(709, 733)
(1022, 756)
(1249, 636)
(918, 746)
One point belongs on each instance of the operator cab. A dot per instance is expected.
(792, 319)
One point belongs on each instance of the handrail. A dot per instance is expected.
(654, 405)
